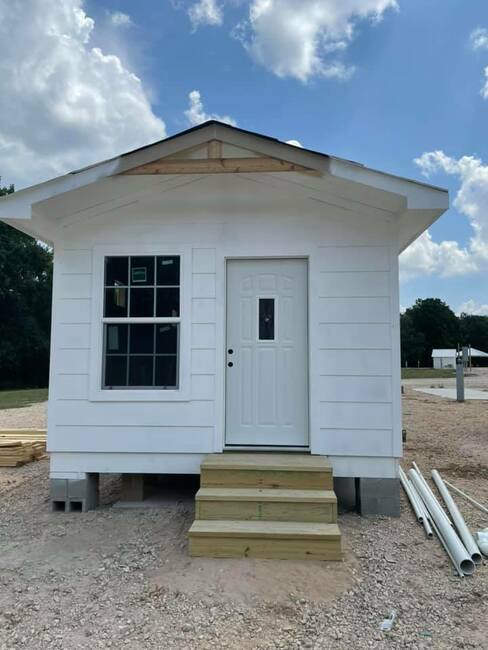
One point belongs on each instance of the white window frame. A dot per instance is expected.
(98, 321)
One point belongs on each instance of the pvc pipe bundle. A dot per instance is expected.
(458, 519)
(416, 503)
(460, 546)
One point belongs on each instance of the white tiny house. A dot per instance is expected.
(220, 291)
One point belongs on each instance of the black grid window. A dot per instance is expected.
(141, 322)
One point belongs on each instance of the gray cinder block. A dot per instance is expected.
(378, 496)
(345, 491)
(74, 495)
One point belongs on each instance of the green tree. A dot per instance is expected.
(25, 308)
(474, 331)
(435, 321)
(412, 342)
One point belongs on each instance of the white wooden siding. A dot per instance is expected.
(355, 401)
(179, 427)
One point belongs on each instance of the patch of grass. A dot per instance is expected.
(13, 399)
(427, 373)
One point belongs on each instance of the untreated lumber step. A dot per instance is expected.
(265, 539)
(266, 504)
(277, 471)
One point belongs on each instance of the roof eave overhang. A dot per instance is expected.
(423, 203)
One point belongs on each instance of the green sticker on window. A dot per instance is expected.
(139, 274)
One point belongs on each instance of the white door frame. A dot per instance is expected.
(298, 449)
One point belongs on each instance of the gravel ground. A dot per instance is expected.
(122, 578)
(28, 417)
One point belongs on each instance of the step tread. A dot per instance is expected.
(266, 494)
(263, 462)
(264, 529)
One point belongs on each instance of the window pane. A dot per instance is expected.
(116, 339)
(141, 339)
(141, 371)
(141, 271)
(116, 271)
(266, 319)
(166, 339)
(167, 302)
(168, 270)
(141, 302)
(115, 371)
(166, 371)
(115, 303)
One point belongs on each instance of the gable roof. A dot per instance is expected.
(416, 204)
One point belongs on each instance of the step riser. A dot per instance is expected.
(293, 480)
(279, 549)
(267, 511)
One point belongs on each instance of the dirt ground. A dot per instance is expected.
(117, 578)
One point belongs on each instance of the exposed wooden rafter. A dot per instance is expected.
(214, 163)
(218, 166)
(214, 149)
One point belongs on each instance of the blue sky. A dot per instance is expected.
(382, 83)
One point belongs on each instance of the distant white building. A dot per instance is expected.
(446, 358)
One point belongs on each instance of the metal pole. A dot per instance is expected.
(459, 378)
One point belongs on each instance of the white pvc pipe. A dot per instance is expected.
(426, 520)
(457, 552)
(458, 519)
(408, 491)
(427, 486)
(416, 502)
(470, 499)
(446, 548)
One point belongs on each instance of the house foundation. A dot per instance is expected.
(75, 495)
(378, 496)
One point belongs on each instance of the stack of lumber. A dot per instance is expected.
(19, 446)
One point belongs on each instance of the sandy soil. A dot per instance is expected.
(122, 578)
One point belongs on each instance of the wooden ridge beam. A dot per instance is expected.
(214, 149)
(218, 166)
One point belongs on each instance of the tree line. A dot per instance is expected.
(25, 308)
(430, 323)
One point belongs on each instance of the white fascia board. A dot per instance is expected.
(21, 204)
(420, 196)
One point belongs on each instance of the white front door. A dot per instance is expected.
(267, 353)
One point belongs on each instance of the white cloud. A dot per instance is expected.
(303, 39)
(473, 308)
(295, 143)
(64, 103)
(448, 258)
(484, 87)
(478, 38)
(427, 257)
(196, 114)
(205, 12)
(119, 19)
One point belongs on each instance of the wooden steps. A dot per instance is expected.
(266, 506)
(266, 539)
(285, 471)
